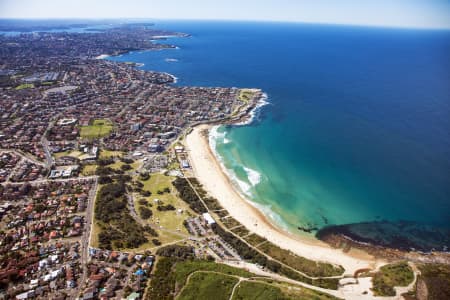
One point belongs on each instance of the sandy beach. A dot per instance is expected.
(209, 172)
(102, 56)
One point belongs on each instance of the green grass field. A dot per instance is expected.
(208, 286)
(88, 170)
(183, 269)
(25, 86)
(257, 291)
(73, 153)
(98, 129)
(109, 153)
(170, 220)
(245, 95)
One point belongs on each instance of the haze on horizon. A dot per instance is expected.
(389, 13)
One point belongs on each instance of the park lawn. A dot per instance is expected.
(171, 219)
(61, 154)
(157, 182)
(98, 129)
(73, 153)
(167, 238)
(257, 291)
(136, 165)
(246, 94)
(164, 237)
(25, 86)
(183, 269)
(116, 165)
(89, 170)
(208, 286)
(389, 276)
(109, 153)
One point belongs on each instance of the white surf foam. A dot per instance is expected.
(266, 209)
(253, 114)
(213, 137)
(243, 187)
(253, 176)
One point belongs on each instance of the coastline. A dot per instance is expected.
(209, 172)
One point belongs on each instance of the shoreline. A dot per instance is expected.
(209, 172)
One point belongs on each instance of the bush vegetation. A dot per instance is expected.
(172, 272)
(304, 265)
(165, 207)
(208, 286)
(145, 212)
(118, 228)
(435, 280)
(389, 276)
(188, 195)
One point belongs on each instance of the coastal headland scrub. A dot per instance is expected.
(181, 277)
(389, 276)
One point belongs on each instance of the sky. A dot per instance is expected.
(391, 13)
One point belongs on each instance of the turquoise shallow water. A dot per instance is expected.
(357, 126)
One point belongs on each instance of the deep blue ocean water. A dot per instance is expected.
(358, 125)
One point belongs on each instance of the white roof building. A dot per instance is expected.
(208, 218)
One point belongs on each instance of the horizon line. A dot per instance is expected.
(387, 26)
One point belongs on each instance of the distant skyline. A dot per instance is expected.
(391, 13)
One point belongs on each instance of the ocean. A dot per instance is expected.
(356, 131)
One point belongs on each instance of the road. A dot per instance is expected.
(86, 238)
(40, 181)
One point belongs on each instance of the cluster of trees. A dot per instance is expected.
(163, 281)
(165, 207)
(144, 202)
(145, 212)
(126, 160)
(150, 230)
(126, 233)
(111, 201)
(105, 171)
(188, 195)
(105, 161)
(181, 252)
(125, 167)
(144, 176)
(119, 229)
(165, 190)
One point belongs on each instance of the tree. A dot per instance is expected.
(125, 167)
(145, 212)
